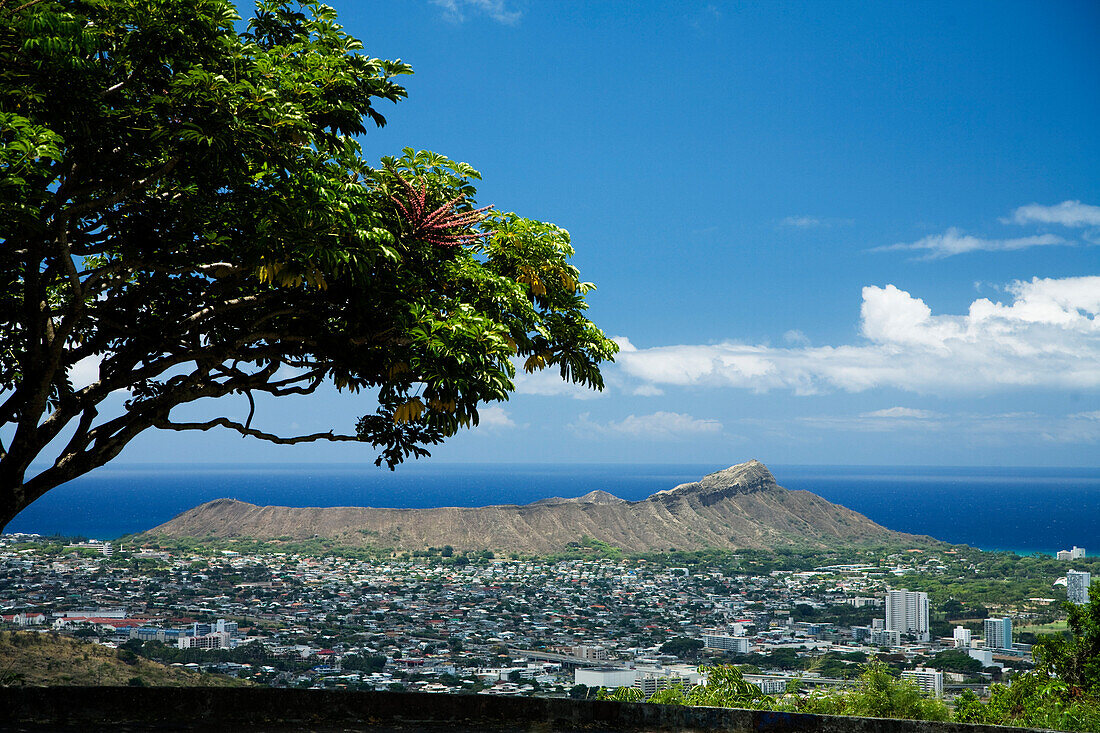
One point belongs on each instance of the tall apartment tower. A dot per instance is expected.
(1077, 586)
(998, 633)
(907, 613)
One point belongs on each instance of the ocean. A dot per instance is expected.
(1024, 510)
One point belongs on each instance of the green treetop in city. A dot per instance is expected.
(185, 207)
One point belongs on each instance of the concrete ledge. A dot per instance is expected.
(35, 709)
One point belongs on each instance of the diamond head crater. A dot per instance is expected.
(741, 507)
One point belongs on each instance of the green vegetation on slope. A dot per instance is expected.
(35, 659)
(877, 694)
(1061, 693)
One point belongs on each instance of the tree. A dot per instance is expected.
(955, 660)
(1075, 658)
(682, 646)
(878, 694)
(363, 662)
(1062, 692)
(968, 708)
(185, 211)
(579, 692)
(725, 687)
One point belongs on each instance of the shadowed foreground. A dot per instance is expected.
(35, 709)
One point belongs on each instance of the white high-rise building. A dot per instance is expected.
(1077, 586)
(998, 633)
(907, 612)
(962, 637)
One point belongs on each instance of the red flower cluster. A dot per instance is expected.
(442, 227)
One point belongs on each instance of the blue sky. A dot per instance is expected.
(847, 233)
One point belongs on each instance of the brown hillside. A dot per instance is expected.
(740, 507)
(37, 659)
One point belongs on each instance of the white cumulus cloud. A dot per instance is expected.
(658, 425)
(802, 222)
(955, 242)
(1067, 214)
(796, 337)
(977, 428)
(458, 10)
(1093, 415)
(1047, 336)
(623, 343)
(495, 416)
(813, 222)
(901, 412)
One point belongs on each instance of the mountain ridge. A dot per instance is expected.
(736, 508)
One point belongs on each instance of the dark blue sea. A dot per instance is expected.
(1025, 510)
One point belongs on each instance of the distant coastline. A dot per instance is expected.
(1022, 510)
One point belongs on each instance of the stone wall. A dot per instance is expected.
(35, 709)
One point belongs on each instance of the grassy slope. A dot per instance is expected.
(1056, 627)
(28, 658)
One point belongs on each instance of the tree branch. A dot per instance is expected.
(115, 87)
(108, 201)
(316, 375)
(252, 432)
(25, 5)
(228, 305)
(92, 279)
(79, 439)
(251, 408)
(280, 391)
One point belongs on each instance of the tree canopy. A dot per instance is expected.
(1075, 656)
(682, 646)
(185, 209)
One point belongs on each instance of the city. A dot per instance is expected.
(550, 268)
(448, 622)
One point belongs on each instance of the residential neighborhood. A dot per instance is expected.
(447, 622)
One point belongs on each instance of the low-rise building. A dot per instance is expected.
(768, 685)
(589, 652)
(213, 640)
(736, 644)
(928, 680)
(885, 637)
(605, 676)
(961, 637)
(985, 656)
